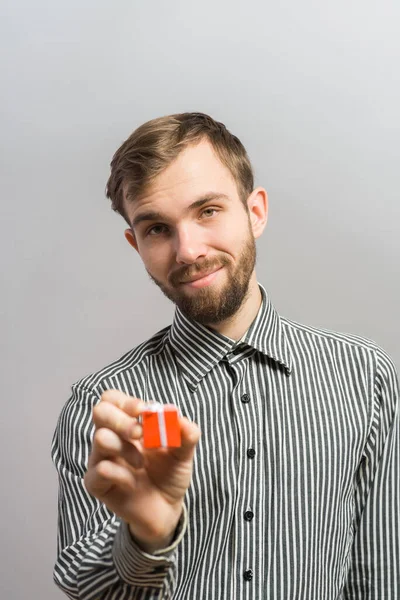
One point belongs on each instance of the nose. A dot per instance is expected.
(189, 245)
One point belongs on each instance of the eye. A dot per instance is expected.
(154, 230)
(149, 231)
(214, 210)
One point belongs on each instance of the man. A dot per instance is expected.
(286, 485)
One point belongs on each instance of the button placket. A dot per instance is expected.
(247, 514)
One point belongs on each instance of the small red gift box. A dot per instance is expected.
(161, 428)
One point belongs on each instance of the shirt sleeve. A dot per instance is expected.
(97, 557)
(375, 555)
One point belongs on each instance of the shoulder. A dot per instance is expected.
(124, 372)
(340, 345)
(299, 332)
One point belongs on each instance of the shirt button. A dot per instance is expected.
(251, 453)
(248, 574)
(248, 515)
(245, 398)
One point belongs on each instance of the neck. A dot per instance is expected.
(237, 325)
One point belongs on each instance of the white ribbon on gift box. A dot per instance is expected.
(159, 409)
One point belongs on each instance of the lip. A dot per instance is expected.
(202, 279)
(202, 275)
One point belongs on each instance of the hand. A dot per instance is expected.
(144, 487)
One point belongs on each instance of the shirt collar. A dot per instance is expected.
(198, 348)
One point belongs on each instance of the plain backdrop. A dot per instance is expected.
(312, 90)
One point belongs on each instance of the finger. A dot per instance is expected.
(108, 445)
(190, 435)
(107, 474)
(129, 404)
(109, 416)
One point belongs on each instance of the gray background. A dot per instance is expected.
(312, 90)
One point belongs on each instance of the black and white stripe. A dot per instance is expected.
(319, 411)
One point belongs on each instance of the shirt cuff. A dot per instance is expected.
(139, 568)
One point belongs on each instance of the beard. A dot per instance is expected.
(208, 305)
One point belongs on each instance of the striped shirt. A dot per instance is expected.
(295, 493)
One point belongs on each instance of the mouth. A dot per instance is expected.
(202, 279)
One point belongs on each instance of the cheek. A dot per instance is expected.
(155, 261)
(232, 242)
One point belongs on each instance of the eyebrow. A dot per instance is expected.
(156, 216)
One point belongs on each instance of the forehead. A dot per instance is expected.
(196, 171)
(193, 164)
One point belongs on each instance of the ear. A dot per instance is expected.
(257, 204)
(130, 237)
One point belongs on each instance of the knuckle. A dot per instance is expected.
(107, 395)
(105, 470)
(123, 426)
(107, 441)
(101, 437)
(113, 418)
(121, 401)
(112, 396)
(98, 413)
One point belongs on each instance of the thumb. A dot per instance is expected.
(190, 435)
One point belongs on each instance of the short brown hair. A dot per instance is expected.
(155, 144)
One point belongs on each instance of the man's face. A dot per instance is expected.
(179, 242)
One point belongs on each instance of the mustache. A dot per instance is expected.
(188, 272)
